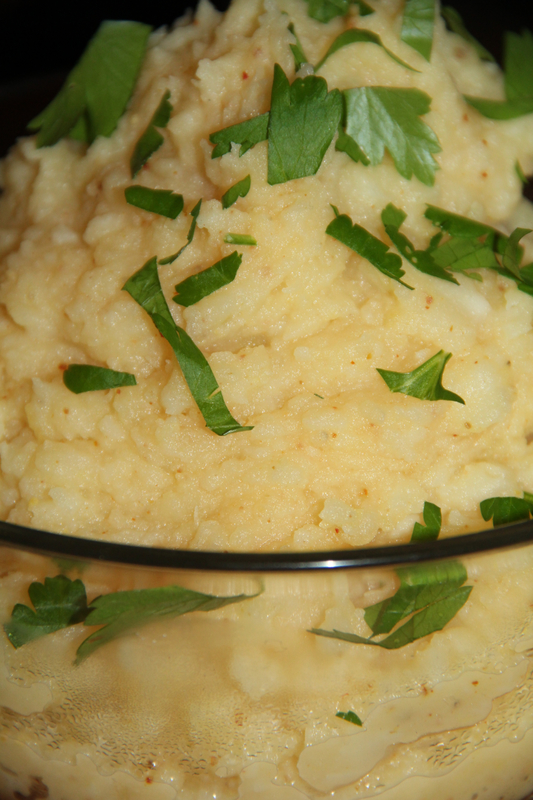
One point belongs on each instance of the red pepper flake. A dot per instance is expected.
(245, 76)
(148, 780)
(63, 367)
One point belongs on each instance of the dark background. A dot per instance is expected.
(41, 41)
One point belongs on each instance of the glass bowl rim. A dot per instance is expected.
(78, 548)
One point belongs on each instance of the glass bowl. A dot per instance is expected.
(252, 699)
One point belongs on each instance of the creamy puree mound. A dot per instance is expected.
(242, 703)
(335, 459)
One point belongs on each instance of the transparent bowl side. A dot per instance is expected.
(189, 697)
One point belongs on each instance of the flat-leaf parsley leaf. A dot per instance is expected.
(196, 287)
(58, 603)
(368, 246)
(145, 288)
(158, 201)
(194, 214)
(96, 92)
(431, 594)
(422, 260)
(417, 26)
(121, 612)
(379, 117)
(303, 119)
(239, 189)
(430, 530)
(246, 134)
(81, 378)
(424, 382)
(151, 139)
(505, 510)
(518, 80)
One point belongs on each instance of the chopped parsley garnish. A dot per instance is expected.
(300, 126)
(239, 238)
(455, 224)
(246, 134)
(430, 530)
(195, 288)
(151, 140)
(121, 612)
(366, 245)
(349, 716)
(417, 26)
(455, 23)
(432, 594)
(424, 382)
(505, 510)
(145, 288)
(379, 118)
(159, 201)
(326, 10)
(96, 92)
(303, 119)
(297, 50)
(474, 245)
(422, 260)
(518, 80)
(60, 603)
(355, 35)
(194, 214)
(239, 189)
(86, 378)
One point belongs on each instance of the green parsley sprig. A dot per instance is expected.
(506, 510)
(422, 260)
(518, 80)
(380, 118)
(90, 103)
(239, 189)
(196, 287)
(428, 598)
(474, 245)
(424, 382)
(303, 119)
(158, 201)
(79, 378)
(366, 245)
(430, 530)
(194, 214)
(145, 288)
(417, 26)
(151, 139)
(60, 603)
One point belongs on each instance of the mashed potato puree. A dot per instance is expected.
(245, 697)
